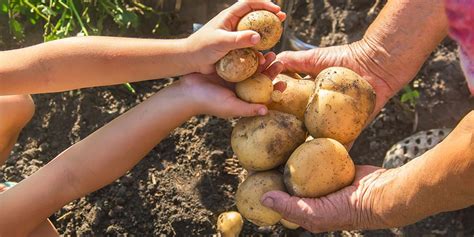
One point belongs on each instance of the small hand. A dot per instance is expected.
(347, 209)
(214, 40)
(215, 96)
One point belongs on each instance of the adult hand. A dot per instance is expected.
(215, 96)
(215, 39)
(347, 209)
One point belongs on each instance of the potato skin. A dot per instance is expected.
(266, 24)
(295, 97)
(289, 225)
(257, 89)
(251, 191)
(229, 224)
(340, 106)
(237, 65)
(317, 168)
(265, 142)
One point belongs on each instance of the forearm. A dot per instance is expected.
(438, 181)
(90, 61)
(402, 37)
(94, 162)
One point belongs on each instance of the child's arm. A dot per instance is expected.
(114, 149)
(97, 61)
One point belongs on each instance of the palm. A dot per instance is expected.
(344, 209)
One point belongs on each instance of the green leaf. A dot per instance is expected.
(127, 19)
(17, 29)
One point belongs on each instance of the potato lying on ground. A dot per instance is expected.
(266, 24)
(340, 105)
(251, 191)
(318, 167)
(229, 224)
(294, 98)
(265, 142)
(237, 65)
(289, 225)
(257, 89)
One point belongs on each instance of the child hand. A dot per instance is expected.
(214, 96)
(215, 39)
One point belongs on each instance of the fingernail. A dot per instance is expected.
(268, 202)
(262, 111)
(255, 39)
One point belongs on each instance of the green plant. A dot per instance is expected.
(63, 18)
(410, 96)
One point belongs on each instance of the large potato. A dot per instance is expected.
(237, 65)
(294, 98)
(340, 106)
(229, 224)
(289, 225)
(251, 191)
(265, 142)
(266, 24)
(257, 89)
(318, 167)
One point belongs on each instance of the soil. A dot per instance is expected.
(183, 184)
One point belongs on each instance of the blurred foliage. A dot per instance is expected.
(410, 96)
(63, 18)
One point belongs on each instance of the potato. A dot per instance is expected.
(257, 89)
(251, 191)
(237, 65)
(317, 168)
(266, 24)
(289, 225)
(229, 224)
(294, 98)
(340, 106)
(265, 142)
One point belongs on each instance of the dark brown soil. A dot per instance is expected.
(183, 184)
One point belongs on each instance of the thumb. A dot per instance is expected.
(291, 208)
(307, 62)
(241, 39)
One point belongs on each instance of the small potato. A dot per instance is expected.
(265, 142)
(317, 168)
(251, 191)
(340, 106)
(289, 225)
(294, 98)
(257, 89)
(266, 24)
(237, 65)
(229, 224)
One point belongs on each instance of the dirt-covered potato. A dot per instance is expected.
(294, 98)
(340, 106)
(229, 224)
(265, 142)
(318, 167)
(266, 24)
(237, 65)
(251, 191)
(257, 89)
(289, 225)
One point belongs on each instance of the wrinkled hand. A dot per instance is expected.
(347, 209)
(216, 97)
(360, 57)
(214, 40)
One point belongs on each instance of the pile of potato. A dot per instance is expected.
(305, 130)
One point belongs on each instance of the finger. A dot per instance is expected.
(269, 58)
(261, 59)
(273, 71)
(240, 39)
(241, 8)
(281, 16)
(291, 208)
(302, 61)
(241, 108)
(279, 86)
